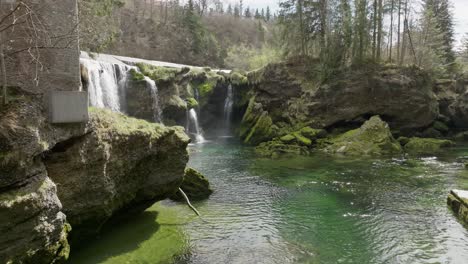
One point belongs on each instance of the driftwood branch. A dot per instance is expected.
(188, 202)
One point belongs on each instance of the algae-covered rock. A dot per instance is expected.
(121, 165)
(278, 148)
(195, 186)
(313, 134)
(458, 202)
(427, 146)
(403, 141)
(256, 126)
(372, 138)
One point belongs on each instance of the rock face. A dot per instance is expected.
(402, 96)
(195, 186)
(32, 223)
(372, 138)
(52, 175)
(458, 201)
(121, 164)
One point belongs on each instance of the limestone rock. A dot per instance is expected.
(372, 138)
(120, 165)
(426, 146)
(195, 186)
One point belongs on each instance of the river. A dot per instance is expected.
(317, 209)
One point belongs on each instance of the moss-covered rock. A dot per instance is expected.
(256, 125)
(288, 138)
(195, 186)
(277, 148)
(457, 200)
(136, 75)
(427, 146)
(121, 164)
(372, 138)
(313, 134)
(192, 103)
(403, 141)
(438, 125)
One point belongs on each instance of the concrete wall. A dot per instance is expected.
(54, 65)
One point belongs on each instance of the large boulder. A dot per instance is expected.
(427, 146)
(372, 138)
(195, 186)
(120, 165)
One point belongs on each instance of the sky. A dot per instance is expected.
(460, 11)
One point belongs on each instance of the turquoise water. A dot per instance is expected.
(317, 209)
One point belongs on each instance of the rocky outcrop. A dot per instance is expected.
(458, 202)
(82, 174)
(373, 138)
(286, 97)
(120, 164)
(195, 186)
(299, 142)
(32, 223)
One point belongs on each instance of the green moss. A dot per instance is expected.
(373, 138)
(440, 126)
(191, 102)
(157, 73)
(427, 146)
(288, 138)
(238, 79)
(312, 133)
(206, 88)
(195, 186)
(137, 76)
(278, 149)
(403, 140)
(302, 140)
(261, 131)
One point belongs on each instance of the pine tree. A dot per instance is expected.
(229, 10)
(257, 14)
(268, 14)
(247, 13)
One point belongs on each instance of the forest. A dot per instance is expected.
(338, 33)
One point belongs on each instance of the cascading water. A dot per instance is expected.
(156, 107)
(107, 83)
(193, 119)
(228, 106)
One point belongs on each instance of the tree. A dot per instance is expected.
(247, 13)
(268, 14)
(229, 10)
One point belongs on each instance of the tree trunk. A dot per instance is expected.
(379, 34)
(390, 40)
(374, 33)
(399, 30)
(405, 30)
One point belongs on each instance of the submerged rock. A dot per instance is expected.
(121, 165)
(426, 146)
(195, 186)
(372, 138)
(458, 202)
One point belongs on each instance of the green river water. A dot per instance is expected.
(316, 209)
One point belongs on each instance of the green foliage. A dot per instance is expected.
(157, 73)
(192, 102)
(137, 76)
(247, 58)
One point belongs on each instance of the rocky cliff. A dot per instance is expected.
(82, 174)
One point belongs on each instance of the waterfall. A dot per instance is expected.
(107, 82)
(228, 106)
(193, 118)
(156, 107)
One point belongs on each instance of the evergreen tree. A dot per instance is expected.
(257, 14)
(268, 14)
(237, 12)
(247, 13)
(229, 10)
